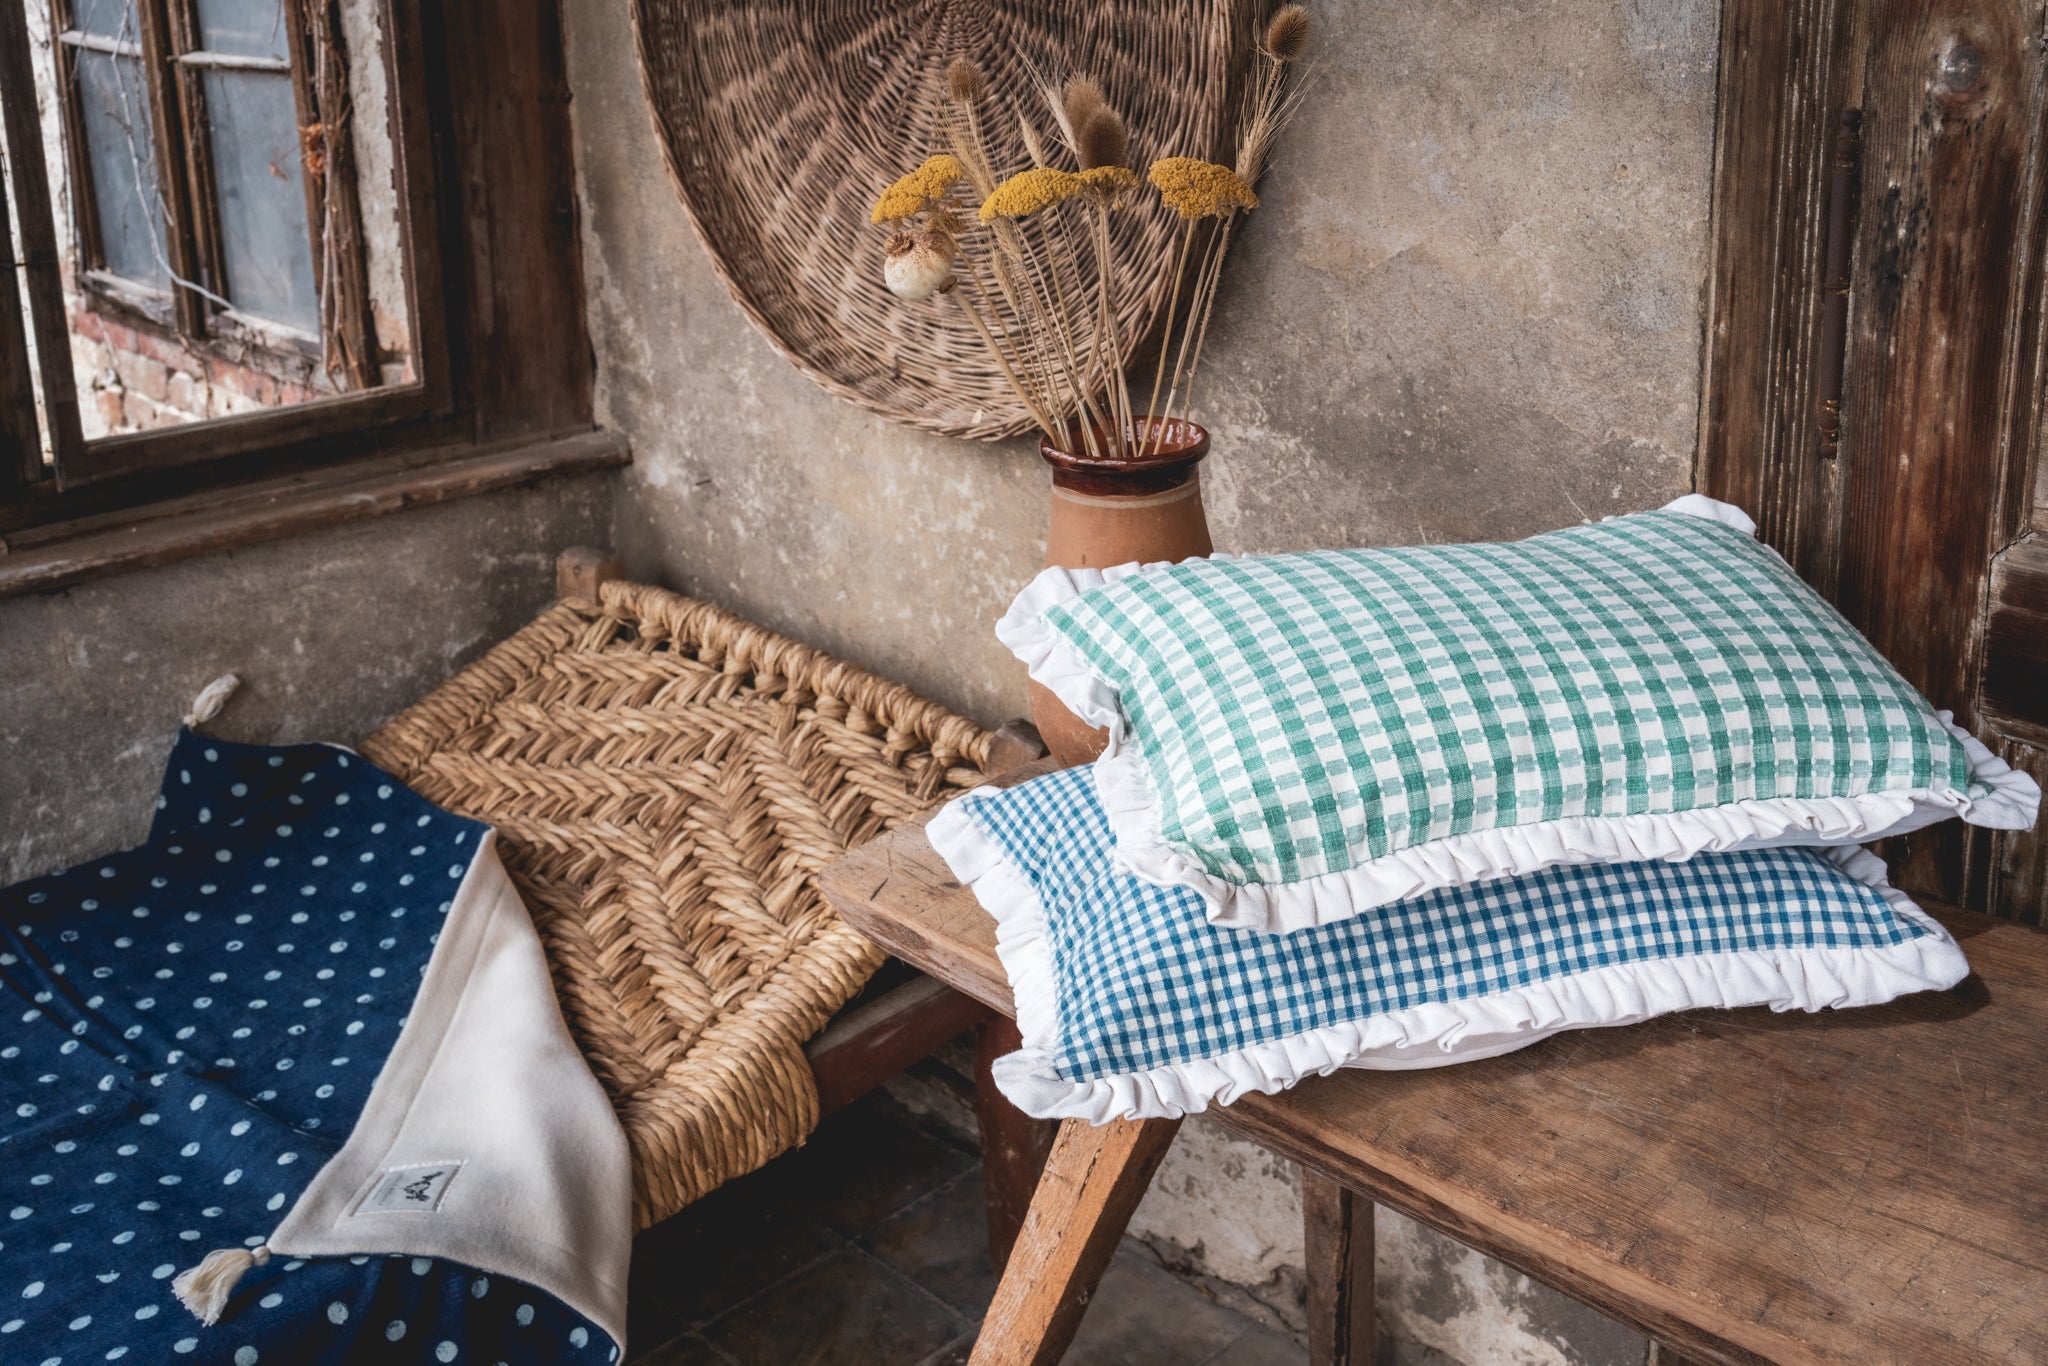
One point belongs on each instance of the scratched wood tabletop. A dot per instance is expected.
(1862, 1186)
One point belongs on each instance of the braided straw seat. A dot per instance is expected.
(781, 120)
(666, 779)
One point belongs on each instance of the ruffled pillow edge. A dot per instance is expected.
(1431, 1035)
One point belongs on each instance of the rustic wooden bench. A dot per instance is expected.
(1742, 1186)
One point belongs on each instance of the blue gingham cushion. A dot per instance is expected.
(1132, 1005)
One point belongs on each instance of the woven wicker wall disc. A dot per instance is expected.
(781, 121)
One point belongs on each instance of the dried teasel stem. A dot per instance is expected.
(1198, 309)
(1180, 263)
(1208, 305)
(988, 340)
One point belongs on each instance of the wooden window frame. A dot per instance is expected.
(338, 423)
(502, 350)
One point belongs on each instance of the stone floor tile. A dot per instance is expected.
(687, 1350)
(845, 1310)
(941, 1242)
(1143, 1315)
(1259, 1345)
(721, 1250)
(868, 1161)
(954, 1353)
(649, 1323)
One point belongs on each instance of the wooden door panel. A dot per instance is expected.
(1900, 520)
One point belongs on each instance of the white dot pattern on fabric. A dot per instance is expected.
(133, 1093)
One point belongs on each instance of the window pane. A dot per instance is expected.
(245, 28)
(106, 19)
(262, 203)
(118, 141)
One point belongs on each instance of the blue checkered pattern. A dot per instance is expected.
(1144, 980)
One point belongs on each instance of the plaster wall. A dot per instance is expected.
(330, 633)
(1469, 308)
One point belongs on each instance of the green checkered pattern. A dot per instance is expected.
(1300, 714)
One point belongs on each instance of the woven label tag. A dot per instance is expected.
(408, 1190)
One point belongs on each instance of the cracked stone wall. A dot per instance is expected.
(1470, 308)
(331, 633)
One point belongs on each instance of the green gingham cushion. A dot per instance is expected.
(1302, 737)
(1132, 1006)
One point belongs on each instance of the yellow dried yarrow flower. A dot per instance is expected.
(918, 191)
(1200, 189)
(1108, 182)
(1026, 192)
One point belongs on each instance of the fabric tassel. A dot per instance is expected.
(205, 1288)
(211, 699)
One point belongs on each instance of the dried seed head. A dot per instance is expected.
(1034, 146)
(1287, 33)
(916, 265)
(1101, 140)
(963, 82)
(1082, 98)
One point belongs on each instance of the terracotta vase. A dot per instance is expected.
(1108, 512)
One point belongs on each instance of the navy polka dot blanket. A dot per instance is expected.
(304, 1033)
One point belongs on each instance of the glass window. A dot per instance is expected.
(120, 146)
(261, 196)
(242, 28)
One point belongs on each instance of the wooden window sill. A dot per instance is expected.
(58, 556)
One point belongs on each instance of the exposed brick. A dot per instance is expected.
(222, 401)
(187, 394)
(107, 402)
(100, 327)
(171, 351)
(142, 374)
(140, 412)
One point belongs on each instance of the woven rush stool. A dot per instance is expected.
(666, 779)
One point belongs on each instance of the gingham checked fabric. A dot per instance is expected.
(1299, 714)
(1144, 980)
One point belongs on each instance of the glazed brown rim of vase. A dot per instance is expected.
(1154, 471)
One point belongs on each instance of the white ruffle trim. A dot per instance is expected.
(1433, 1035)
(1125, 789)
(1121, 779)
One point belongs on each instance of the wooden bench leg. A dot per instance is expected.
(1013, 1144)
(1337, 1233)
(1093, 1181)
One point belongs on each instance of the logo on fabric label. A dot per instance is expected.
(409, 1190)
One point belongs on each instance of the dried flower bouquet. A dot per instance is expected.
(1033, 265)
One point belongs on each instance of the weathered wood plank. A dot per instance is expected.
(526, 361)
(2020, 857)
(1337, 1243)
(1942, 399)
(1742, 1185)
(303, 502)
(1943, 355)
(29, 179)
(1093, 1180)
(1782, 89)
(580, 571)
(2016, 640)
(1014, 1146)
(864, 1047)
